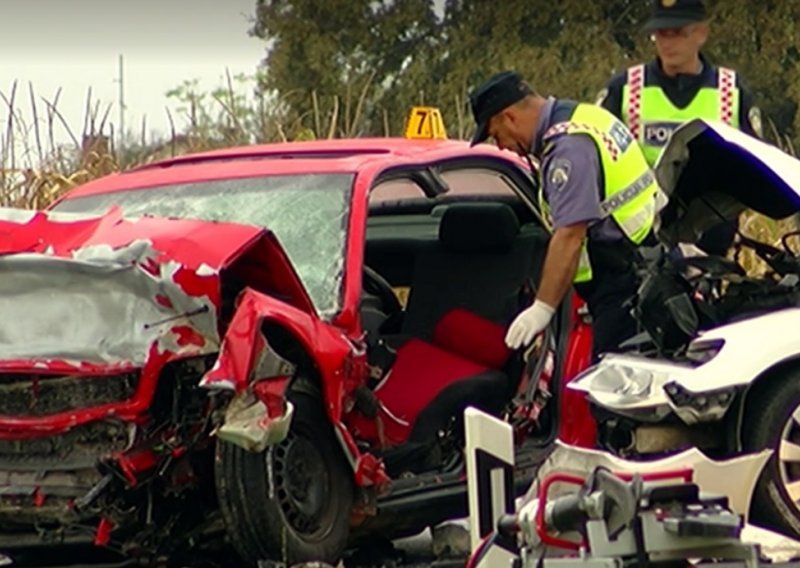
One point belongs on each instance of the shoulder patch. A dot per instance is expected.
(558, 173)
(622, 135)
(754, 118)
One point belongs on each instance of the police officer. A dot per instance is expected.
(653, 99)
(597, 189)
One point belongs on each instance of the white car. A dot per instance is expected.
(720, 369)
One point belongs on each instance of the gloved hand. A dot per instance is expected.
(528, 324)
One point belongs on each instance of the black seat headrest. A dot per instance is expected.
(478, 227)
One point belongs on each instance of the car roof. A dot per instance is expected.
(287, 158)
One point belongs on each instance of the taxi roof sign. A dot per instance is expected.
(425, 122)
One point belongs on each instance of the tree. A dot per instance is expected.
(394, 54)
(333, 63)
(760, 40)
(354, 67)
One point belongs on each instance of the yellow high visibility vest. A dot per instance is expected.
(630, 188)
(652, 117)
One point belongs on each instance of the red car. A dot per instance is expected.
(218, 340)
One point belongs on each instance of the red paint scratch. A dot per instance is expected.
(163, 300)
(188, 336)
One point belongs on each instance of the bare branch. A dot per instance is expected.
(315, 104)
(87, 113)
(171, 131)
(35, 114)
(360, 104)
(10, 126)
(334, 118)
(61, 119)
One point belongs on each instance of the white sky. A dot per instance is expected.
(76, 44)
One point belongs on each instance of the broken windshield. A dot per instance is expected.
(308, 214)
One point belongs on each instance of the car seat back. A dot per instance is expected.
(482, 262)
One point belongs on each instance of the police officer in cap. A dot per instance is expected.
(653, 99)
(598, 191)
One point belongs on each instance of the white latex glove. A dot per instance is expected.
(528, 324)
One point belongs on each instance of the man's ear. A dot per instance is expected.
(702, 31)
(508, 116)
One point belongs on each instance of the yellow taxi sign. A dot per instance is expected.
(425, 122)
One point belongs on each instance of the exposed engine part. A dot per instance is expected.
(41, 395)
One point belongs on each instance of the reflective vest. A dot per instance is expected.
(630, 190)
(652, 117)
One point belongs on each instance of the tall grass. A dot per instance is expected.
(35, 169)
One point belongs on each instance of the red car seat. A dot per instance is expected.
(432, 382)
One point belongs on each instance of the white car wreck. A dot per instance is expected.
(718, 364)
(588, 507)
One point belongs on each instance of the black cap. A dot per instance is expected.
(670, 14)
(499, 92)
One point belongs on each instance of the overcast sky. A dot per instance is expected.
(75, 44)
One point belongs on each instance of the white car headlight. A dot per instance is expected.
(624, 382)
(622, 387)
(627, 384)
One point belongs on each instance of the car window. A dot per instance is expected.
(463, 182)
(396, 189)
(477, 181)
(308, 214)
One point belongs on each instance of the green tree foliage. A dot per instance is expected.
(333, 63)
(225, 116)
(353, 67)
(761, 41)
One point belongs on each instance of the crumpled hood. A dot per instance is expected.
(712, 165)
(191, 243)
(105, 291)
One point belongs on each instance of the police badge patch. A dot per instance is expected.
(754, 118)
(621, 135)
(558, 173)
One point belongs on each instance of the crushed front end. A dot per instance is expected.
(108, 328)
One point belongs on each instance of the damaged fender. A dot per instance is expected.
(259, 414)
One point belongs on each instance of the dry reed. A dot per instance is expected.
(35, 169)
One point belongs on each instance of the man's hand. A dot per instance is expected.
(529, 324)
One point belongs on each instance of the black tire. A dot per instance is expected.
(769, 424)
(292, 502)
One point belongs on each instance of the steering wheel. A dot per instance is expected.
(375, 284)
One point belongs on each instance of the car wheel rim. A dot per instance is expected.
(302, 486)
(789, 458)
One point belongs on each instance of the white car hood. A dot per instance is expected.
(709, 165)
(630, 383)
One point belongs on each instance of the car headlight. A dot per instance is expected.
(626, 383)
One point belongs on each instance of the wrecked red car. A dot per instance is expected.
(277, 342)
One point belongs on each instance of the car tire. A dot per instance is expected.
(292, 502)
(772, 421)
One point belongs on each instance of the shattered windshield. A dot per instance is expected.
(308, 214)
